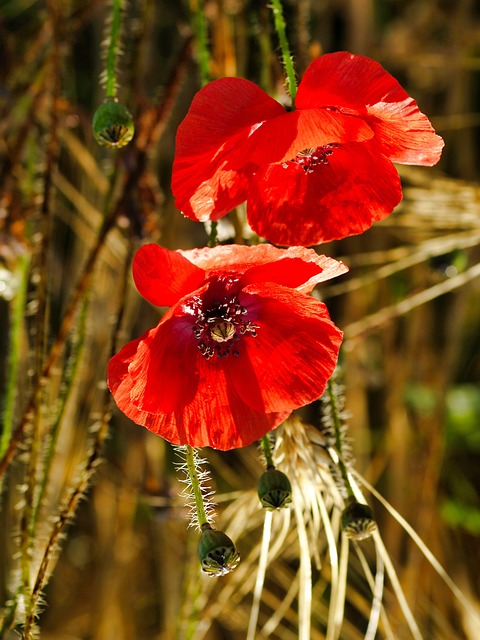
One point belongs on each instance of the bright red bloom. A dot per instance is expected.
(321, 172)
(240, 348)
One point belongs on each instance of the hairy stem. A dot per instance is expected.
(201, 38)
(280, 28)
(195, 483)
(78, 491)
(337, 425)
(112, 51)
(18, 308)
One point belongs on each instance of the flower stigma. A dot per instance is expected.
(311, 158)
(219, 327)
(222, 331)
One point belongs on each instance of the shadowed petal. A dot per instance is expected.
(207, 182)
(357, 187)
(281, 138)
(209, 411)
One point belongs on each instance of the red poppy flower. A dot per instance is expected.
(240, 348)
(321, 172)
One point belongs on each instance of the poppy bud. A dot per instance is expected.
(216, 552)
(274, 489)
(113, 125)
(358, 521)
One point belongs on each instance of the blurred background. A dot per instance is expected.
(71, 216)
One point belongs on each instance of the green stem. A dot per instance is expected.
(197, 491)
(267, 450)
(338, 437)
(213, 238)
(201, 39)
(112, 52)
(286, 55)
(18, 306)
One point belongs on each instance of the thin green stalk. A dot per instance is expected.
(201, 38)
(337, 425)
(64, 517)
(267, 450)
(113, 49)
(41, 266)
(213, 238)
(78, 491)
(280, 28)
(18, 307)
(67, 386)
(68, 319)
(196, 488)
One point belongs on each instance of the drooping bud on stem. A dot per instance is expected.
(358, 521)
(216, 552)
(113, 124)
(274, 488)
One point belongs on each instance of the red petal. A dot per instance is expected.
(163, 370)
(344, 80)
(361, 86)
(358, 187)
(194, 403)
(289, 362)
(206, 180)
(232, 257)
(163, 277)
(295, 272)
(295, 267)
(283, 137)
(404, 133)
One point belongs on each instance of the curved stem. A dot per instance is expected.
(280, 28)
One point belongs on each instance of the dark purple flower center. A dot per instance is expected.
(219, 327)
(310, 159)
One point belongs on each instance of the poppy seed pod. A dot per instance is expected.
(113, 125)
(216, 552)
(358, 521)
(274, 489)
